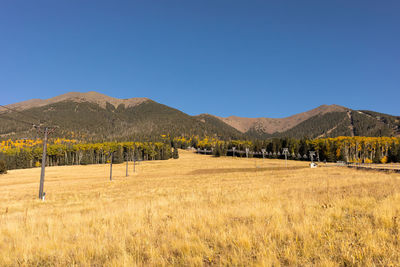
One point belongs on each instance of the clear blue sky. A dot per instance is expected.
(245, 58)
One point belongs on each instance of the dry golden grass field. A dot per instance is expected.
(200, 210)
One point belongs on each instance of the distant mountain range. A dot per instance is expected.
(94, 116)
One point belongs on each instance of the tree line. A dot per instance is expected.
(28, 153)
(348, 149)
(71, 153)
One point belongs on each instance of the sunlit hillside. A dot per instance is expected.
(201, 210)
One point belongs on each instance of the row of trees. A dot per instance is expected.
(67, 152)
(349, 149)
(82, 154)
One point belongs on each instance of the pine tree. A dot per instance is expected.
(118, 156)
(3, 167)
(377, 156)
(392, 155)
(175, 154)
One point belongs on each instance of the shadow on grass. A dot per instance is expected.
(234, 170)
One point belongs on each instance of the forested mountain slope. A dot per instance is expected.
(85, 120)
(97, 117)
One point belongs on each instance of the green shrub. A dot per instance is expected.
(175, 154)
(3, 167)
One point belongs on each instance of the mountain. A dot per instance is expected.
(97, 117)
(92, 97)
(340, 123)
(272, 125)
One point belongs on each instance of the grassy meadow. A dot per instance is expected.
(200, 210)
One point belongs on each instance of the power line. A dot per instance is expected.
(24, 114)
(33, 117)
(12, 119)
(46, 131)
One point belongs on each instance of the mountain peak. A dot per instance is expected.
(272, 125)
(330, 108)
(91, 96)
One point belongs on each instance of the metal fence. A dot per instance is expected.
(265, 154)
(373, 166)
(260, 154)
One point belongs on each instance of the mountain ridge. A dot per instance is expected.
(94, 115)
(90, 96)
(272, 125)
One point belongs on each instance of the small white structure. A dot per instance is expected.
(313, 165)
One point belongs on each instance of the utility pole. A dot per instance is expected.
(47, 131)
(286, 151)
(312, 154)
(126, 157)
(134, 161)
(111, 165)
(44, 155)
